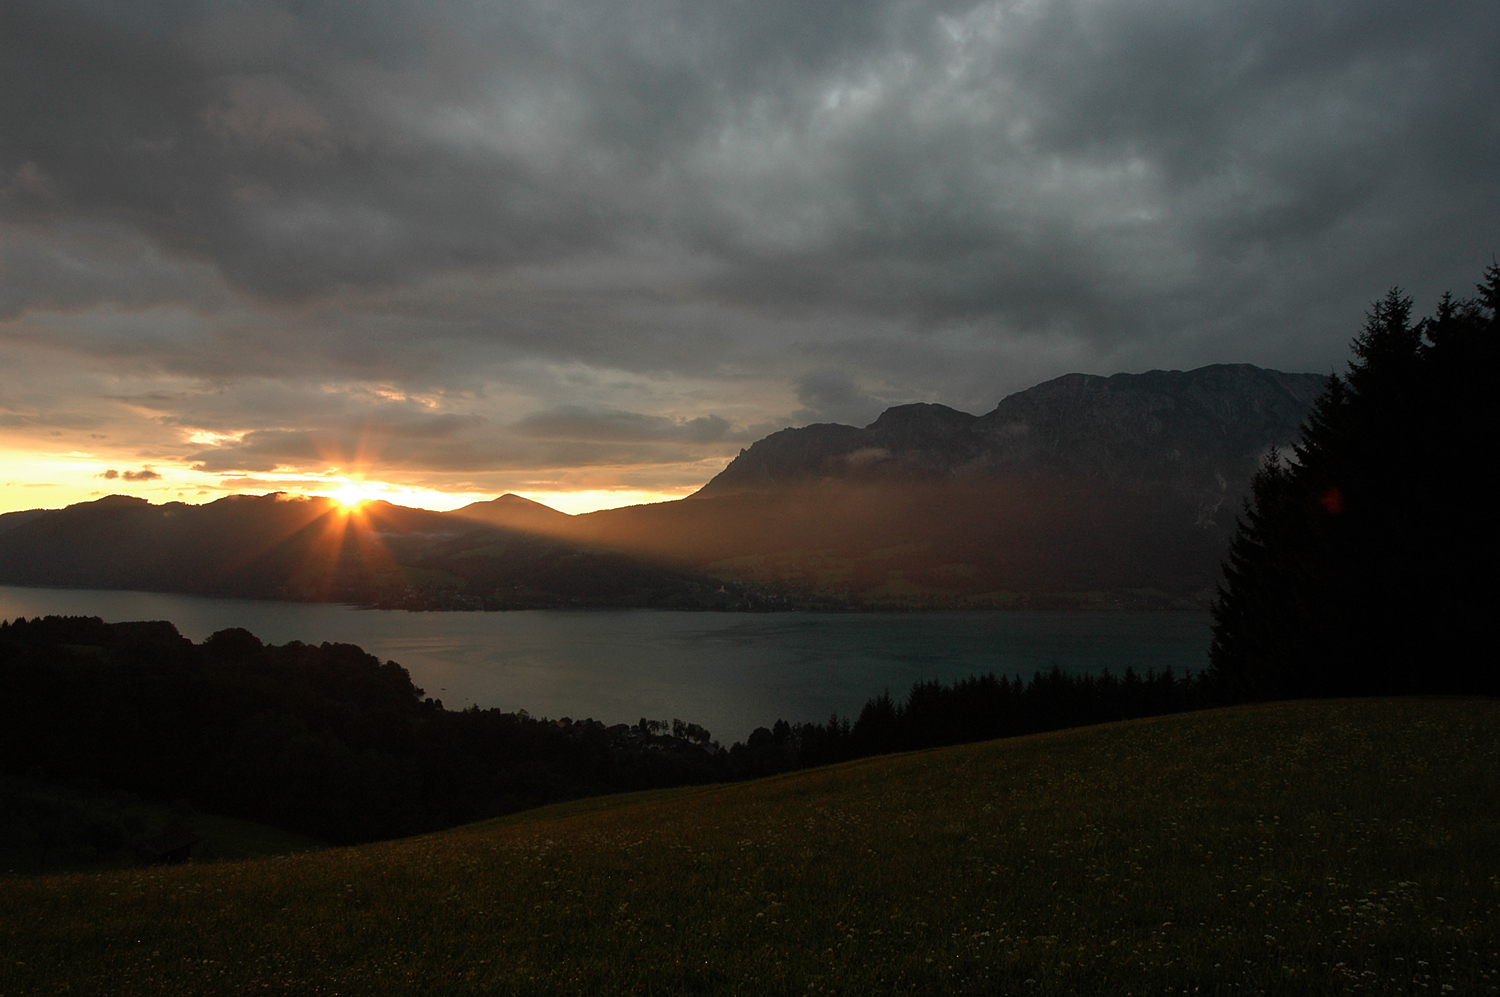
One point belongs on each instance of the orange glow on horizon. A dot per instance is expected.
(584, 500)
(36, 480)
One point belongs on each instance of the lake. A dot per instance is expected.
(730, 672)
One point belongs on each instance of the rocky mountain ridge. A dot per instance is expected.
(1199, 434)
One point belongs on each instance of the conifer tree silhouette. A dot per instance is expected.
(1365, 563)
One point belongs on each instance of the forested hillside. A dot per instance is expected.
(326, 740)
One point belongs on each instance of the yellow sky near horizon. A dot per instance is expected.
(53, 480)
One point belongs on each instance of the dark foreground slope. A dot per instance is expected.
(1300, 848)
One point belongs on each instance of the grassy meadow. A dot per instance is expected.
(223, 837)
(1311, 847)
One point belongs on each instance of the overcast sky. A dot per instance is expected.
(597, 247)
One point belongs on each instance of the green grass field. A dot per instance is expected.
(1333, 847)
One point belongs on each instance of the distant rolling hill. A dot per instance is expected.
(313, 549)
(1082, 491)
(516, 513)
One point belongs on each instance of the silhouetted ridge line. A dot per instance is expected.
(1192, 431)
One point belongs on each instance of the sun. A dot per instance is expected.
(351, 496)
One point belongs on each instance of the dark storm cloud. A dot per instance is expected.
(854, 203)
(266, 450)
(275, 450)
(572, 422)
(878, 155)
(447, 444)
(345, 436)
(832, 396)
(75, 265)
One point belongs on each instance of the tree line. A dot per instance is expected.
(331, 742)
(978, 708)
(1365, 561)
(326, 740)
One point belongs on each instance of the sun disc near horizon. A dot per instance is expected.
(353, 495)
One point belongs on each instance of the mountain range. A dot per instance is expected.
(1198, 433)
(1081, 491)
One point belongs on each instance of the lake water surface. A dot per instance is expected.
(730, 672)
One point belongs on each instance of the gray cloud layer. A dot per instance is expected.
(583, 229)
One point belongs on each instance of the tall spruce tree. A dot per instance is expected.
(1365, 563)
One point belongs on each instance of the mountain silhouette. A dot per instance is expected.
(1198, 433)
